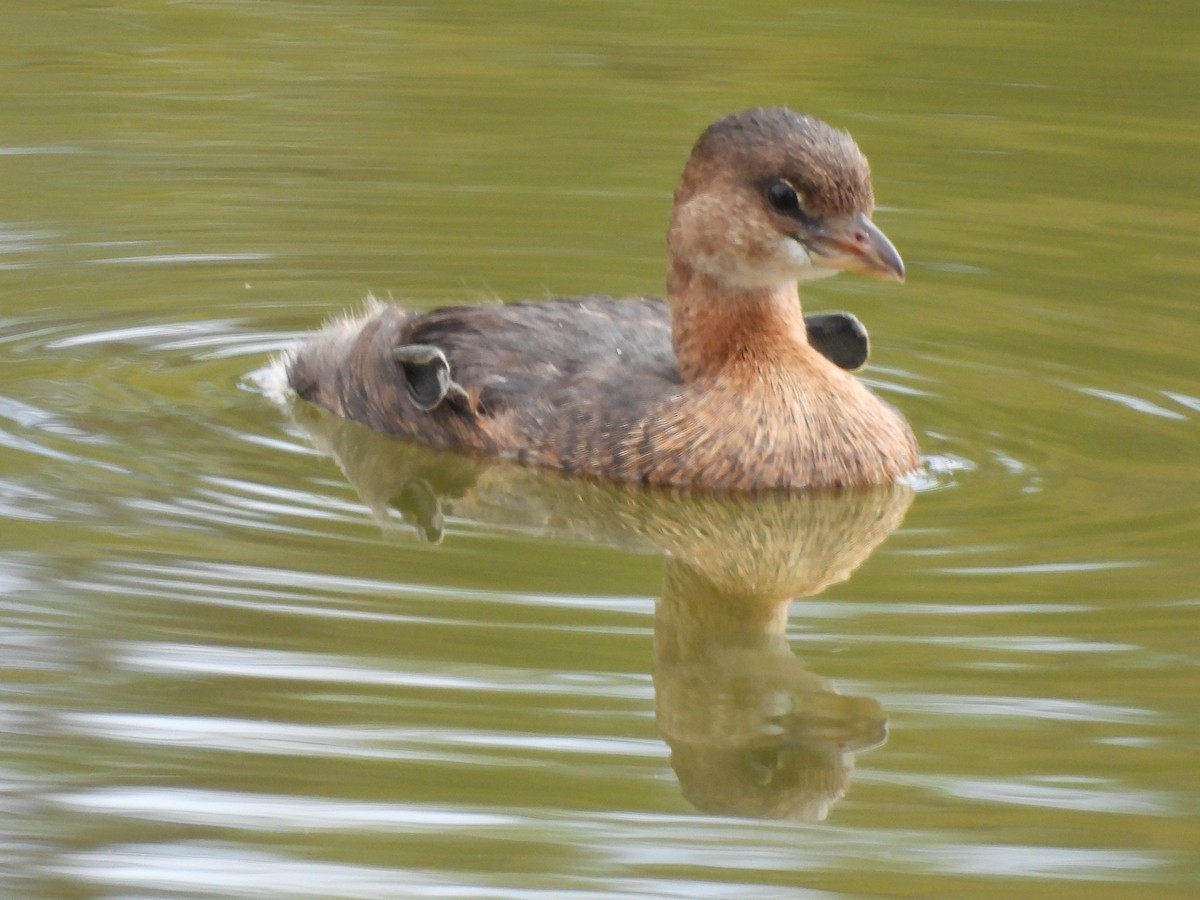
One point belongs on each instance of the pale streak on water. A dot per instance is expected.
(232, 667)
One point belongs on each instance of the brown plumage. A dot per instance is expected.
(719, 387)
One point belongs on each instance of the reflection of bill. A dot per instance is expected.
(751, 731)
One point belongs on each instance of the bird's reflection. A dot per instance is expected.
(751, 731)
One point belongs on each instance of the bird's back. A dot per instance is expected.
(539, 378)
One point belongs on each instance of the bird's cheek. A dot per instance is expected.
(695, 234)
(800, 263)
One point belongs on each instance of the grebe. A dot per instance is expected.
(724, 385)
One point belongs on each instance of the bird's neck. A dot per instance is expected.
(717, 328)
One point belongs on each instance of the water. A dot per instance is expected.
(250, 651)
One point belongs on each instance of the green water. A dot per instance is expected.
(233, 667)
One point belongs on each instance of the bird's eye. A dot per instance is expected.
(783, 197)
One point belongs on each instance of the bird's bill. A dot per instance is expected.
(855, 244)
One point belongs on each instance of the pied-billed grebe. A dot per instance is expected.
(718, 387)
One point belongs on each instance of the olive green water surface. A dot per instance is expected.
(238, 662)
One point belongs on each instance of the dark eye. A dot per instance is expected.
(783, 197)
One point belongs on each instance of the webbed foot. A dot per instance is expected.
(427, 375)
(840, 337)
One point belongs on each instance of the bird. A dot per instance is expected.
(723, 385)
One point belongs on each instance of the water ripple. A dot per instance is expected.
(269, 812)
(245, 662)
(1056, 568)
(1137, 404)
(223, 869)
(1019, 708)
(443, 746)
